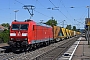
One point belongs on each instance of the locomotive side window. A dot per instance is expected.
(24, 27)
(15, 26)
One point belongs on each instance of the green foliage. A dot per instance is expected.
(4, 36)
(6, 25)
(74, 28)
(68, 27)
(71, 28)
(51, 22)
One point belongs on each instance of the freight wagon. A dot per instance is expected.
(58, 34)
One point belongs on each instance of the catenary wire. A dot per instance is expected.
(34, 10)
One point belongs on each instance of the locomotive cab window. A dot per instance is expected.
(15, 26)
(24, 27)
(19, 26)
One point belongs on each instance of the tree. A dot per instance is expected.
(51, 22)
(5, 24)
(4, 36)
(68, 27)
(74, 28)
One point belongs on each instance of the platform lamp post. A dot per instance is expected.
(88, 27)
(88, 10)
(15, 13)
(63, 23)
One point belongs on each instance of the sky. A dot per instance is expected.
(60, 9)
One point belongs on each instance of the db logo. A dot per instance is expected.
(18, 33)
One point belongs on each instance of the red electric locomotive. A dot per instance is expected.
(28, 34)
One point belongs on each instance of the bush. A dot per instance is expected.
(4, 36)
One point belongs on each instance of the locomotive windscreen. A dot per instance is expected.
(19, 26)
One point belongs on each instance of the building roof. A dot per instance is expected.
(2, 27)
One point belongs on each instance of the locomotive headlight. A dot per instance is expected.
(25, 38)
(12, 34)
(12, 38)
(24, 34)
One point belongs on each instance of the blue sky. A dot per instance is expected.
(73, 16)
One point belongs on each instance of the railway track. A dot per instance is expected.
(46, 53)
(55, 53)
(9, 56)
(50, 52)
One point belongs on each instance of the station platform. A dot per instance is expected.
(80, 50)
(83, 50)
